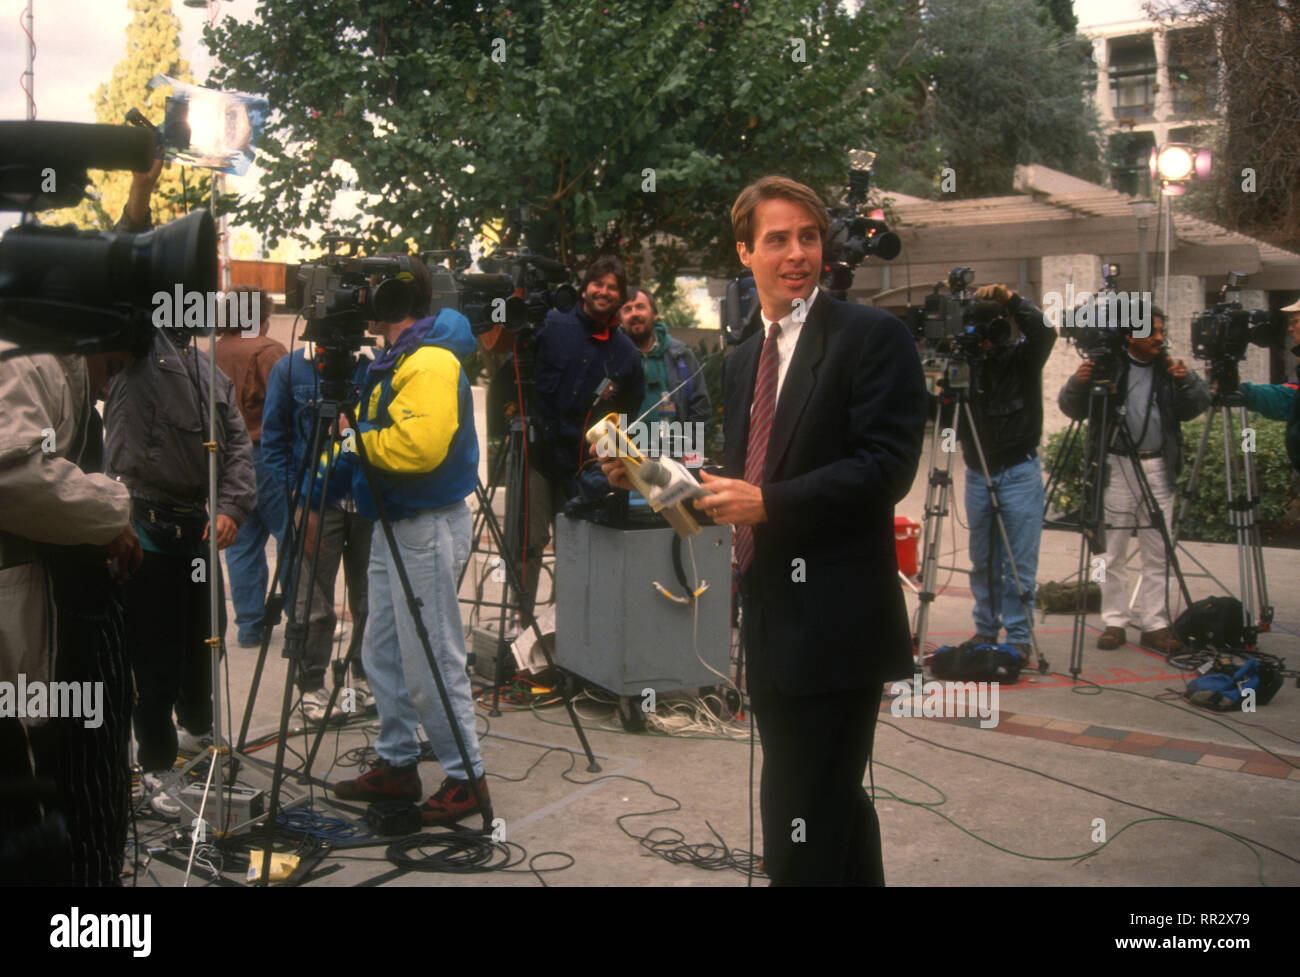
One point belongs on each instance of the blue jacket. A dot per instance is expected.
(416, 423)
(291, 391)
(571, 362)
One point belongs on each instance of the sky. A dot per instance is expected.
(77, 44)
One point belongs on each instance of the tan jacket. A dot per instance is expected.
(43, 495)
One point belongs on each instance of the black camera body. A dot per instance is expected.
(514, 290)
(1222, 334)
(854, 236)
(1105, 346)
(955, 325)
(1100, 326)
(63, 290)
(340, 294)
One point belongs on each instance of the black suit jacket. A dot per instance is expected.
(844, 448)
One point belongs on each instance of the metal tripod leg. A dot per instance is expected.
(937, 492)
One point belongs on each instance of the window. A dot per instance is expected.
(1133, 77)
(1130, 162)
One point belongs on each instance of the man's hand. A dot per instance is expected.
(1178, 370)
(616, 471)
(142, 187)
(125, 554)
(993, 293)
(1084, 373)
(226, 531)
(732, 500)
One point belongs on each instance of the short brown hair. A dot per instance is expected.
(607, 264)
(773, 188)
(265, 304)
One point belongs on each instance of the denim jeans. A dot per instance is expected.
(433, 545)
(246, 556)
(1020, 494)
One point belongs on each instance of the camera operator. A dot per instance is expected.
(291, 393)
(248, 361)
(416, 425)
(66, 543)
(1155, 394)
(585, 368)
(671, 370)
(1279, 400)
(156, 423)
(1006, 400)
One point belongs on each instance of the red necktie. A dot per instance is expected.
(760, 429)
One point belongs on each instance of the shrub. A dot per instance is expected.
(1206, 517)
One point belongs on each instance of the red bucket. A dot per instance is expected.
(907, 535)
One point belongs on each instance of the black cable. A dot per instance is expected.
(456, 853)
(1086, 790)
(673, 847)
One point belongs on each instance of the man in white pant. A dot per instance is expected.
(1158, 394)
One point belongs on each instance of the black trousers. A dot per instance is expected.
(167, 630)
(819, 825)
(79, 766)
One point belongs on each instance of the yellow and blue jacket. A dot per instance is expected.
(416, 423)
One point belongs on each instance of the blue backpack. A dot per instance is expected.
(1224, 688)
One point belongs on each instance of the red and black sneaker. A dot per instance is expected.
(454, 801)
(383, 783)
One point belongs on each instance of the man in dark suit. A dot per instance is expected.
(824, 422)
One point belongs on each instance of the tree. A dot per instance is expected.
(153, 47)
(577, 128)
(1244, 62)
(982, 86)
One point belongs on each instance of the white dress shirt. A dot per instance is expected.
(785, 343)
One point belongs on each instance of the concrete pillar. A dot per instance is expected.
(1164, 104)
(1101, 57)
(1254, 368)
(1059, 271)
(1186, 297)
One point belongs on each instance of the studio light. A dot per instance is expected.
(1175, 165)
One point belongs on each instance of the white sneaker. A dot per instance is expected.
(365, 698)
(313, 705)
(159, 801)
(187, 744)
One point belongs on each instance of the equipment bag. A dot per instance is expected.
(984, 663)
(1224, 688)
(1211, 623)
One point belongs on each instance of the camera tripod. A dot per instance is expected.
(937, 499)
(1092, 515)
(1243, 509)
(336, 366)
(509, 471)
